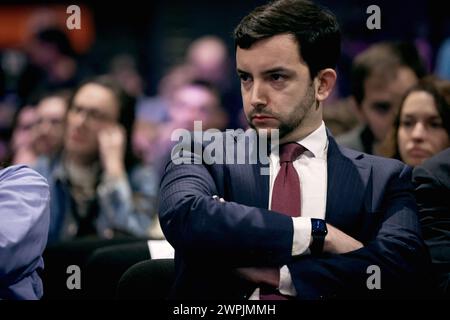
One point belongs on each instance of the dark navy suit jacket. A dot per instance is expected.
(432, 180)
(369, 198)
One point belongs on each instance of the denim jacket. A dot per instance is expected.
(126, 205)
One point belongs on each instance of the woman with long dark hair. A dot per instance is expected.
(422, 126)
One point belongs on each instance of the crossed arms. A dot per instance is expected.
(259, 241)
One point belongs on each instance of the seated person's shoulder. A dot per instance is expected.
(24, 198)
(378, 163)
(439, 162)
(24, 223)
(22, 178)
(19, 172)
(436, 168)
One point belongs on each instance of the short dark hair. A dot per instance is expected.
(314, 27)
(384, 58)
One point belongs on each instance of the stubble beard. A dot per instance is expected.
(295, 119)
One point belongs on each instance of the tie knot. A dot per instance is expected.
(289, 152)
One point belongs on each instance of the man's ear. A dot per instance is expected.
(325, 81)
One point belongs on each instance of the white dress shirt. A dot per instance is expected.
(311, 167)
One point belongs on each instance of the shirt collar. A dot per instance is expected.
(316, 142)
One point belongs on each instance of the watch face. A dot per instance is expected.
(319, 227)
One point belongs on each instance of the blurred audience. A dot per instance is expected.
(209, 57)
(98, 189)
(23, 137)
(51, 113)
(380, 76)
(8, 107)
(52, 64)
(124, 70)
(101, 195)
(340, 116)
(196, 101)
(422, 126)
(443, 60)
(420, 137)
(153, 112)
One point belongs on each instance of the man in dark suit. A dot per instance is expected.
(325, 221)
(432, 180)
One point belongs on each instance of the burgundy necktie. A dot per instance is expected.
(285, 197)
(286, 189)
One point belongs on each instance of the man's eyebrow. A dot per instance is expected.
(276, 70)
(241, 71)
(269, 71)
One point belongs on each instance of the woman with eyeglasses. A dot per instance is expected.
(100, 194)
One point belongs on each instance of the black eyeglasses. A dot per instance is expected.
(90, 113)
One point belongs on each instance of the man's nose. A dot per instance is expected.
(258, 97)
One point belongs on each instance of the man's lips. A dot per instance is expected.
(263, 120)
(262, 117)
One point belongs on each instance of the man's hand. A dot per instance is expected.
(112, 143)
(270, 276)
(338, 242)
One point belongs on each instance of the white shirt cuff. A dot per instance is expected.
(302, 235)
(286, 285)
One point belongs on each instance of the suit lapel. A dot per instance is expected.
(250, 184)
(262, 184)
(347, 183)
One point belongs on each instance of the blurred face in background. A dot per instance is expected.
(381, 98)
(23, 135)
(42, 54)
(209, 56)
(50, 125)
(196, 103)
(93, 108)
(421, 133)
